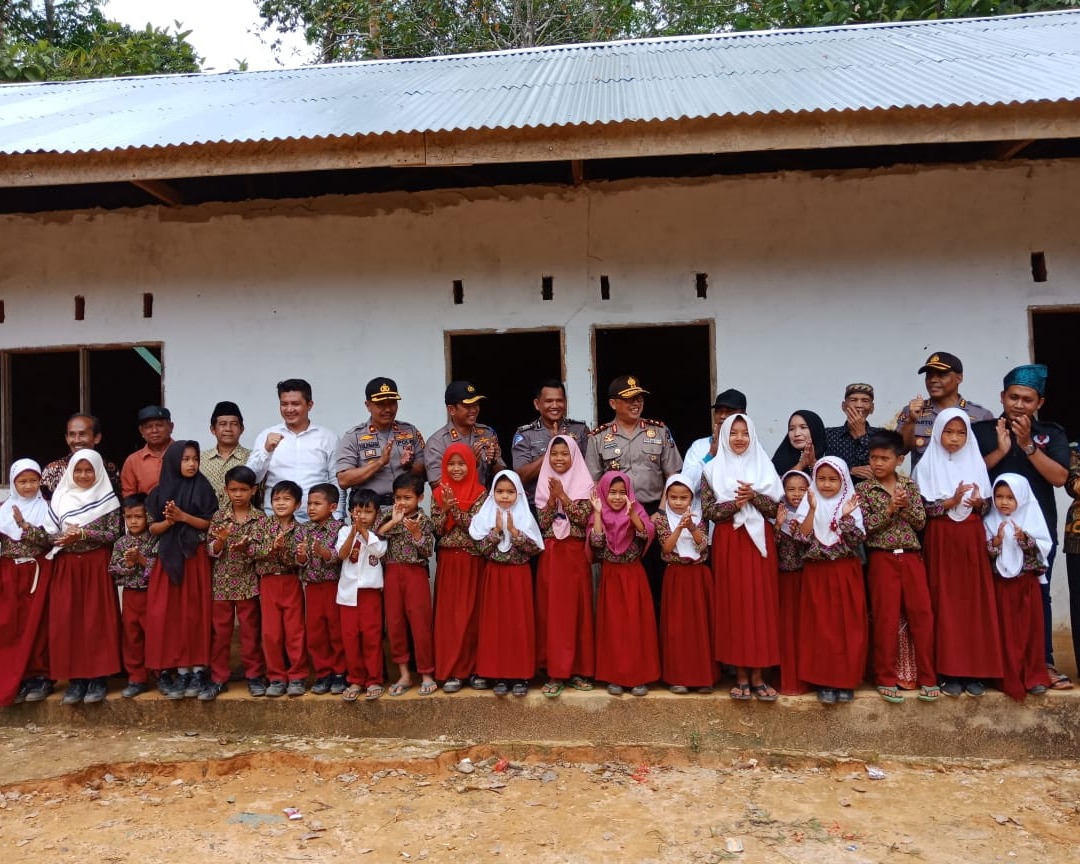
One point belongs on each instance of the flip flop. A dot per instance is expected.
(741, 692)
(1058, 680)
(552, 689)
(374, 692)
(929, 693)
(890, 694)
(427, 688)
(352, 692)
(763, 693)
(579, 683)
(397, 688)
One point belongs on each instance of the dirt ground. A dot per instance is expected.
(126, 795)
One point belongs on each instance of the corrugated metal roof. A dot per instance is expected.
(1023, 58)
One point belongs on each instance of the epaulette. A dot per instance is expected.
(529, 427)
(603, 427)
(649, 422)
(570, 421)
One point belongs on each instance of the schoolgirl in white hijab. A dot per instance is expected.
(1028, 518)
(75, 507)
(829, 511)
(34, 510)
(485, 521)
(684, 545)
(939, 472)
(753, 467)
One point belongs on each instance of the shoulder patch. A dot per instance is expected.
(601, 428)
(517, 438)
(659, 423)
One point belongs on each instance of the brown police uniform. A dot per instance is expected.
(438, 441)
(925, 424)
(648, 455)
(531, 442)
(363, 444)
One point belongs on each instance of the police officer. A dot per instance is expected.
(371, 455)
(463, 409)
(944, 374)
(531, 440)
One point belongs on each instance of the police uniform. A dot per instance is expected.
(925, 424)
(438, 442)
(363, 444)
(648, 455)
(531, 442)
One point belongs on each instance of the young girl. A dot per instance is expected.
(178, 597)
(1019, 542)
(790, 565)
(686, 601)
(84, 615)
(507, 536)
(803, 445)
(832, 607)
(741, 489)
(564, 591)
(627, 654)
(24, 587)
(952, 479)
(457, 499)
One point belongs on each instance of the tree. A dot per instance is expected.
(59, 40)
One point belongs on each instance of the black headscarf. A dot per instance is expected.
(194, 495)
(787, 454)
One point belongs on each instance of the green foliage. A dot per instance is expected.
(71, 39)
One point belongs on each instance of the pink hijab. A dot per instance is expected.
(618, 530)
(577, 483)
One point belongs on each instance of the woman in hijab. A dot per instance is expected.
(803, 445)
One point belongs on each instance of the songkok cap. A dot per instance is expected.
(625, 387)
(382, 390)
(730, 398)
(1033, 375)
(463, 392)
(942, 361)
(154, 412)
(859, 388)
(226, 409)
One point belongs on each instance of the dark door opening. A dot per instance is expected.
(1053, 335)
(44, 393)
(117, 404)
(506, 368)
(682, 401)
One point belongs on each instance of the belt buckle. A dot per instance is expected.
(899, 551)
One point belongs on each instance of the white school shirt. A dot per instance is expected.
(366, 572)
(695, 461)
(306, 458)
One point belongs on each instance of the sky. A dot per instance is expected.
(223, 31)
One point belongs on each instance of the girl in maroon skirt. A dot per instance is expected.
(627, 653)
(84, 614)
(832, 607)
(790, 565)
(1019, 542)
(686, 601)
(564, 591)
(952, 478)
(507, 536)
(456, 500)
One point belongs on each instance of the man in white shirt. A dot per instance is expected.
(702, 451)
(297, 449)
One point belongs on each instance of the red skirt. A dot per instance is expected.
(832, 623)
(84, 617)
(457, 613)
(790, 591)
(507, 644)
(626, 647)
(1019, 603)
(564, 610)
(23, 622)
(178, 616)
(967, 634)
(686, 611)
(746, 616)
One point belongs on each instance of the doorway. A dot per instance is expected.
(1053, 339)
(506, 367)
(682, 401)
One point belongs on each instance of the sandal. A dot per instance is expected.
(427, 688)
(763, 692)
(929, 694)
(579, 683)
(398, 688)
(352, 692)
(374, 692)
(552, 689)
(1058, 680)
(741, 692)
(890, 694)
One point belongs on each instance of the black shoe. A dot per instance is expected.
(197, 682)
(134, 688)
(95, 691)
(256, 686)
(827, 696)
(338, 684)
(75, 692)
(295, 688)
(952, 687)
(276, 688)
(521, 689)
(20, 697)
(845, 695)
(975, 688)
(1037, 690)
(452, 685)
(178, 686)
(211, 691)
(165, 681)
(478, 683)
(38, 689)
(501, 688)
(321, 686)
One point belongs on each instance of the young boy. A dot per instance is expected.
(410, 537)
(235, 532)
(359, 596)
(132, 559)
(893, 515)
(281, 596)
(316, 552)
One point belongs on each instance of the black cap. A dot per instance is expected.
(625, 387)
(463, 392)
(226, 409)
(381, 390)
(942, 361)
(154, 412)
(730, 398)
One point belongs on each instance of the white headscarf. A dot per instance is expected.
(483, 523)
(939, 472)
(684, 546)
(71, 505)
(34, 510)
(786, 525)
(1028, 518)
(829, 511)
(728, 469)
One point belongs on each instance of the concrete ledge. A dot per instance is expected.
(992, 727)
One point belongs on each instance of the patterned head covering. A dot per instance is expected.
(1032, 375)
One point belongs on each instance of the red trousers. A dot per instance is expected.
(281, 601)
(221, 624)
(898, 582)
(361, 631)
(322, 620)
(133, 634)
(407, 605)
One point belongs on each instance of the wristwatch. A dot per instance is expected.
(1030, 449)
